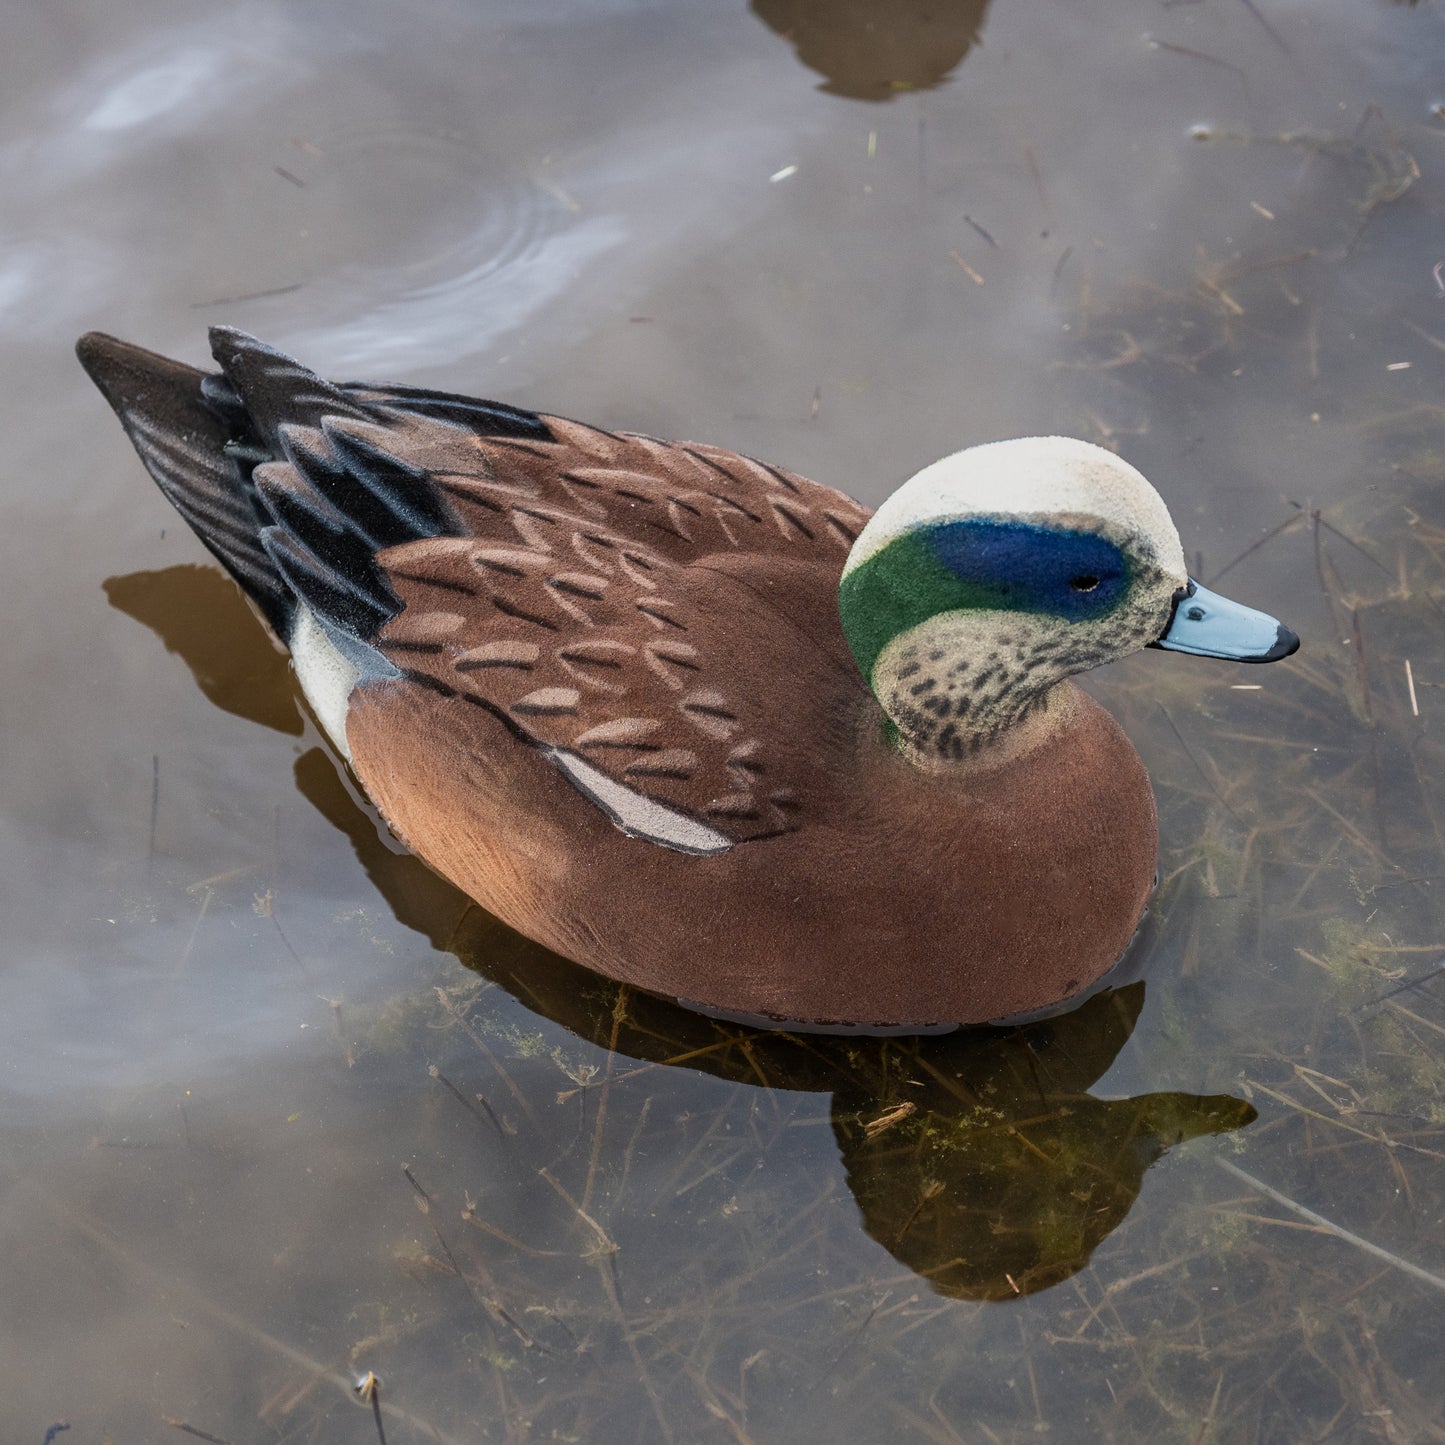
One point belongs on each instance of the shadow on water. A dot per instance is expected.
(875, 49)
(979, 1160)
(205, 621)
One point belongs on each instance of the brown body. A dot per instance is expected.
(1021, 887)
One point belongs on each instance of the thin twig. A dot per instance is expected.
(619, 1013)
(1285, 1202)
(982, 232)
(1268, 28)
(1254, 547)
(489, 1117)
(1208, 781)
(246, 296)
(1059, 268)
(491, 1057)
(186, 1429)
(155, 809)
(205, 908)
(370, 1391)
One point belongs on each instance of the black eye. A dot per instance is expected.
(1083, 584)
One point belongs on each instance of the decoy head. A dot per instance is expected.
(992, 575)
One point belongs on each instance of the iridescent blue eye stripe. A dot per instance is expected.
(1029, 568)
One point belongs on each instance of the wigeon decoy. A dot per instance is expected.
(694, 721)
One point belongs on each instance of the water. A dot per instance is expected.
(1203, 233)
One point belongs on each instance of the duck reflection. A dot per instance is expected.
(978, 1159)
(873, 49)
(206, 622)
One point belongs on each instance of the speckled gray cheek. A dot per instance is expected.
(952, 705)
(917, 725)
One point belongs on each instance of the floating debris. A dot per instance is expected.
(965, 268)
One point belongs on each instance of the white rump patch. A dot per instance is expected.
(326, 677)
(636, 814)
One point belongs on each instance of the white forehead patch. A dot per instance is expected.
(1033, 478)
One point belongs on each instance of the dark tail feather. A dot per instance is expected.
(187, 443)
(263, 463)
(275, 389)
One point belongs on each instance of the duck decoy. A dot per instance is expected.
(694, 721)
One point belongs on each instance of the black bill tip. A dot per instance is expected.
(1286, 644)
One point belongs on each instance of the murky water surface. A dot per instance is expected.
(276, 1109)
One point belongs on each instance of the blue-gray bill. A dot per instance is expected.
(1209, 625)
